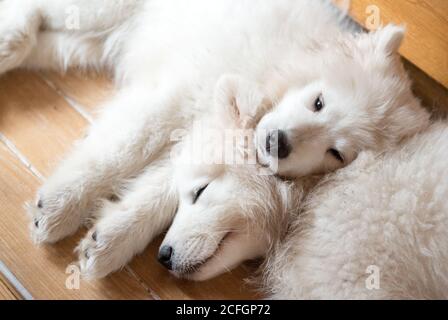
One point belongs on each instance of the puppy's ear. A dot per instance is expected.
(239, 100)
(388, 39)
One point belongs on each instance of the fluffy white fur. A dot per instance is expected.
(388, 211)
(169, 58)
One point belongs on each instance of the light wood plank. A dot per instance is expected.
(42, 269)
(7, 291)
(426, 42)
(88, 89)
(5, 294)
(38, 121)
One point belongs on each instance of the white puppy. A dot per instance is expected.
(376, 230)
(332, 94)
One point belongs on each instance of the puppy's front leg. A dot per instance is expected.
(130, 134)
(126, 227)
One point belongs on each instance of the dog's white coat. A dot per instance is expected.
(167, 57)
(375, 230)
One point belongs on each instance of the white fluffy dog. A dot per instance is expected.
(376, 230)
(331, 94)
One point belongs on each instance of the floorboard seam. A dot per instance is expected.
(15, 282)
(132, 273)
(22, 158)
(72, 103)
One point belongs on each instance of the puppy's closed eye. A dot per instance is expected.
(198, 193)
(336, 154)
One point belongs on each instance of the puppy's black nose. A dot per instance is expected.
(277, 144)
(164, 257)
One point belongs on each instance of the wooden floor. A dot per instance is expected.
(41, 115)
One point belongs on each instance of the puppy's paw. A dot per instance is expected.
(99, 254)
(53, 217)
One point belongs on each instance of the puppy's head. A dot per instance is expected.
(227, 211)
(358, 98)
